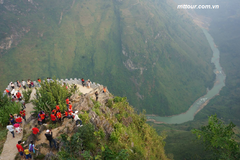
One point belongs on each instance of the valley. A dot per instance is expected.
(145, 50)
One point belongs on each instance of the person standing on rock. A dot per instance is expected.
(59, 116)
(70, 106)
(77, 119)
(49, 137)
(20, 148)
(35, 131)
(10, 128)
(96, 95)
(42, 116)
(32, 147)
(53, 118)
(88, 83)
(27, 153)
(82, 82)
(104, 90)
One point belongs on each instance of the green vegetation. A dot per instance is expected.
(27, 95)
(166, 62)
(218, 138)
(180, 141)
(51, 94)
(131, 138)
(3, 136)
(6, 108)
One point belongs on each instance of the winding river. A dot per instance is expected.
(202, 101)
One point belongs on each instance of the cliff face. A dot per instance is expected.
(111, 129)
(145, 50)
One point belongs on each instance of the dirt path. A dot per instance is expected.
(9, 149)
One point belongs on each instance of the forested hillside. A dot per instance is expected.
(224, 28)
(145, 50)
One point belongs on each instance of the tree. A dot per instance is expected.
(218, 138)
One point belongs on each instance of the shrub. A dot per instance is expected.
(6, 108)
(50, 94)
(84, 117)
(119, 99)
(100, 134)
(108, 154)
(27, 95)
(86, 133)
(110, 103)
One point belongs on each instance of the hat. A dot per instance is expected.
(47, 130)
(76, 112)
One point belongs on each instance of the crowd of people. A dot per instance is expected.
(56, 116)
(14, 91)
(15, 122)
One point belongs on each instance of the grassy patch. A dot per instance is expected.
(3, 137)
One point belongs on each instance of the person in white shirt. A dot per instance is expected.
(11, 129)
(24, 84)
(77, 119)
(13, 92)
(12, 85)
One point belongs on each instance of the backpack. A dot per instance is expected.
(31, 147)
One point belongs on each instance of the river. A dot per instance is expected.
(202, 101)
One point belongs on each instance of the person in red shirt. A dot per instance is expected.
(70, 106)
(70, 112)
(22, 113)
(57, 108)
(35, 130)
(83, 82)
(54, 111)
(53, 118)
(67, 100)
(19, 96)
(19, 120)
(59, 116)
(20, 148)
(8, 92)
(42, 116)
(39, 121)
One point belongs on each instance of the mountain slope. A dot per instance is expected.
(145, 50)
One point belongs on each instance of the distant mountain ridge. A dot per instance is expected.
(145, 50)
